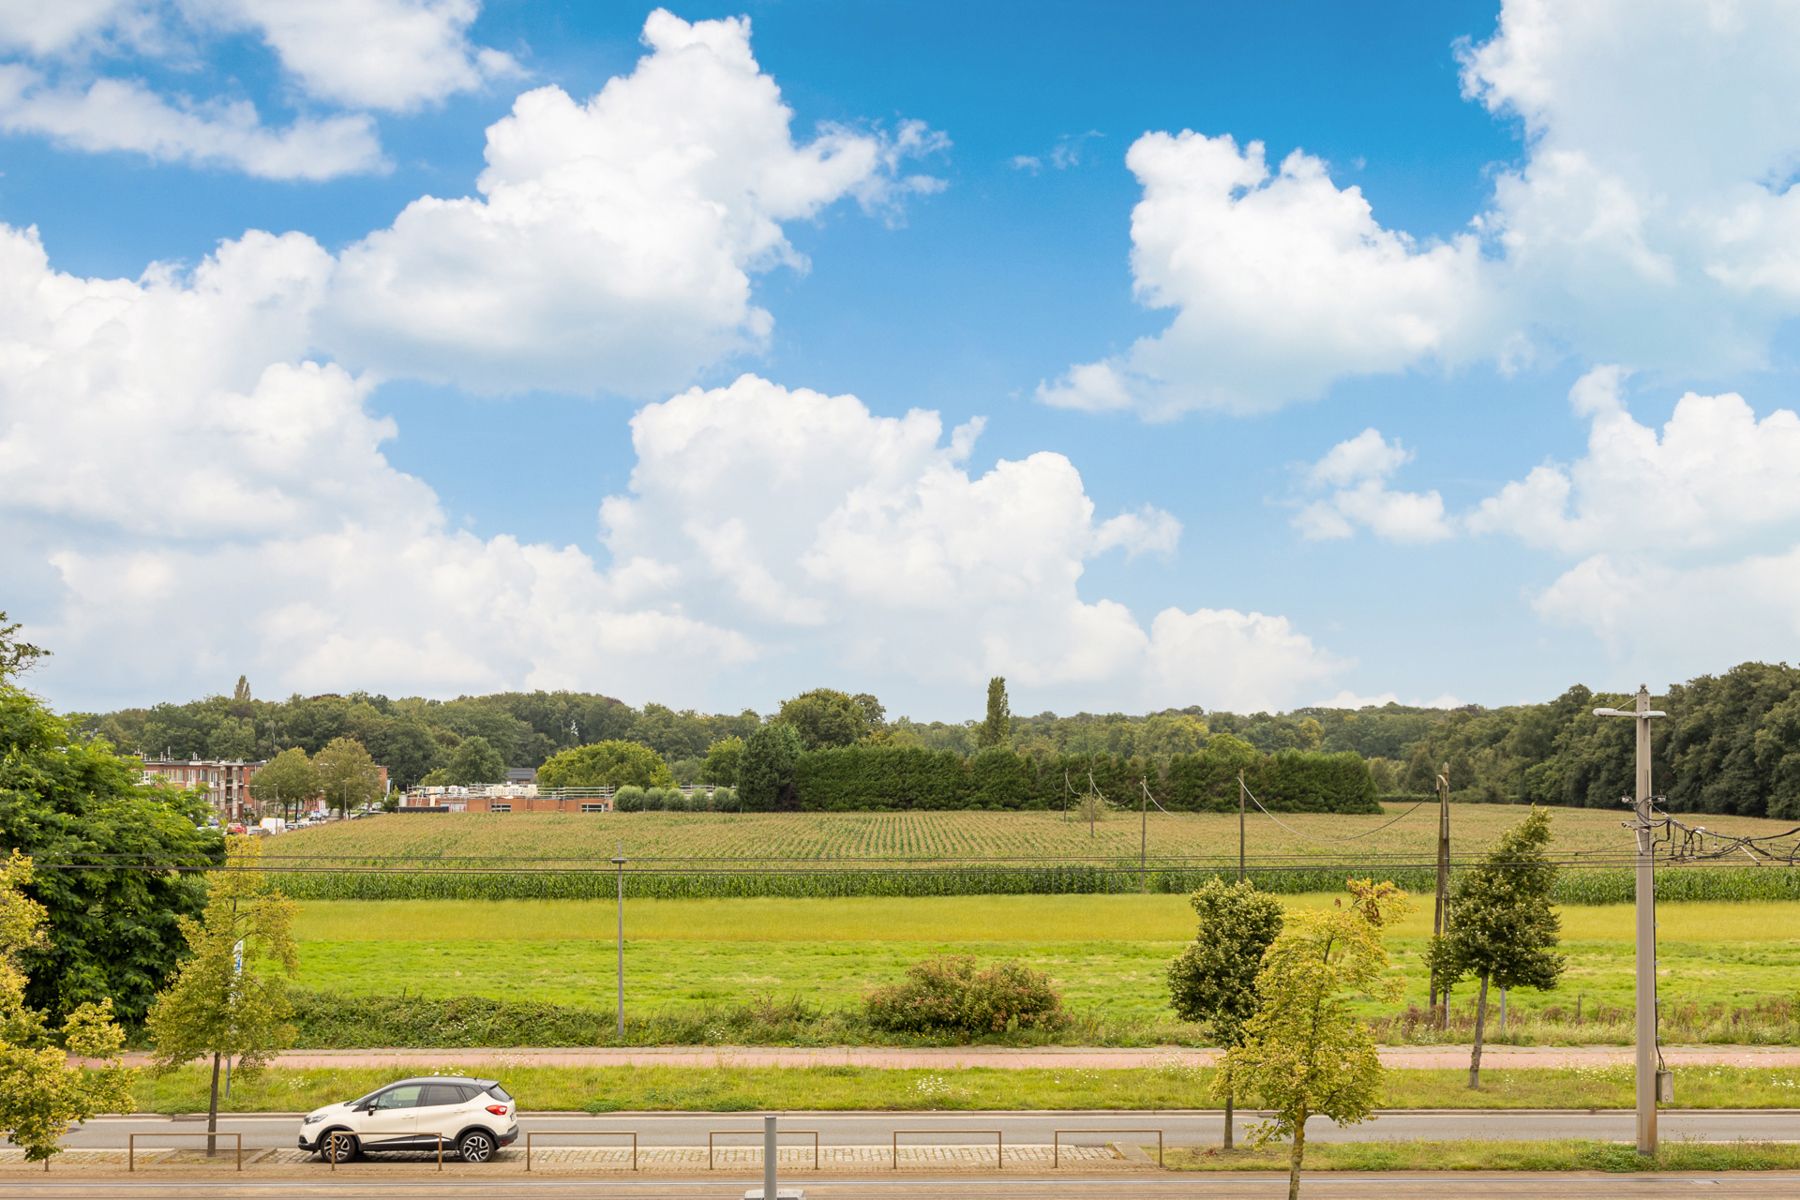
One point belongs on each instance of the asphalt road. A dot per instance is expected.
(1181, 1128)
(1382, 1186)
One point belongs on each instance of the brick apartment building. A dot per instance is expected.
(227, 781)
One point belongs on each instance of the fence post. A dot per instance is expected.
(771, 1156)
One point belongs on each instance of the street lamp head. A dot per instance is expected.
(1613, 712)
(618, 861)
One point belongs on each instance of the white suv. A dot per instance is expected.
(475, 1117)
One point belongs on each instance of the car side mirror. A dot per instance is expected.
(365, 1106)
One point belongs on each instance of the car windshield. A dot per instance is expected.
(498, 1092)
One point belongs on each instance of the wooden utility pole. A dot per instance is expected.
(1443, 889)
(1242, 791)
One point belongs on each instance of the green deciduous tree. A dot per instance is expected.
(766, 771)
(827, 717)
(288, 781)
(41, 1095)
(996, 729)
(1305, 1051)
(348, 777)
(613, 764)
(1500, 926)
(1213, 980)
(475, 761)
(721, 765)
(111, 934)
(230, 999)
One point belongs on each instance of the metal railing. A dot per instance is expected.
(999, 1142)
(336, 1137)
(719, 1133)
(131, 1145)
(531, 1133)
(1056, 1137)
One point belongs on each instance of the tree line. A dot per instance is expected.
(1731, 743)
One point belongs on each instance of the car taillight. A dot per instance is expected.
(499, 1110)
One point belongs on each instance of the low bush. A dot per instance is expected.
(629, 799)
(955, 994)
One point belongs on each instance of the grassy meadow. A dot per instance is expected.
(1728, 971)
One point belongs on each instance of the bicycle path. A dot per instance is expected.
(996, 1057)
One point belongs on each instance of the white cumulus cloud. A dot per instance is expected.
(1653, 219)
(1713, 476)
(872, 539)
(382, 54)
(123, 115)
(80, 78)
(174, 472)
(1355, 473)
(1685, 539)
(615, 240)
(185, 479)
(1280, 280)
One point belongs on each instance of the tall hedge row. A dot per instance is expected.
(873, 777)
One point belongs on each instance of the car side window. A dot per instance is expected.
(442, 1093)
(399, 1097)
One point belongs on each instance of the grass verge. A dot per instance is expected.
(1471, 1155)
(749, 1089)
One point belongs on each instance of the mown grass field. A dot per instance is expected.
(1107, 953)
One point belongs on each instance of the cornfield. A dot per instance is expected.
(693, 856)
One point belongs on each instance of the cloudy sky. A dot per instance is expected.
(1236, 355)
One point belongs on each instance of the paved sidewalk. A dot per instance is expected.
(951, 1057)
(1124, 1155)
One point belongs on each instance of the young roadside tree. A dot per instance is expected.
(1500, 926)
(1305, 1051)
(996, 730)
(287, 782)
(348, 777)
(41, 1095)
(1213, 981)
(230, 998)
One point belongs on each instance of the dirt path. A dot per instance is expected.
(1052, 1057)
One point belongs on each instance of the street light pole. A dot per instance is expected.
(619, 865)
(1647, 1074)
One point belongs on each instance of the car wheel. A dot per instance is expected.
(342, 1146)
(476, 1146)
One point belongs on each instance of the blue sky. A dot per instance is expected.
(1251, 431)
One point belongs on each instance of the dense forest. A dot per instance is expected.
(1731, 743)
